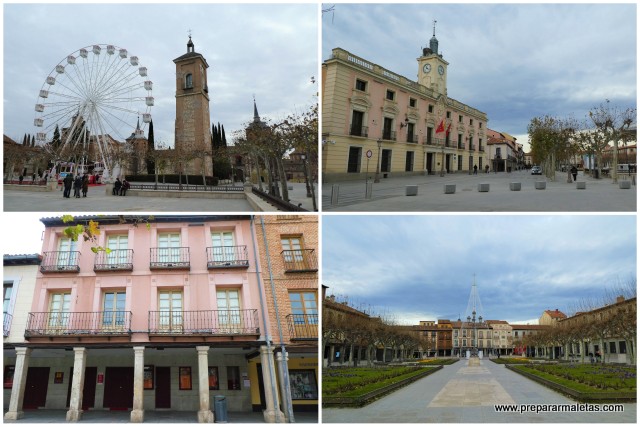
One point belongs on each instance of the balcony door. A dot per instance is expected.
(170, 307)
(113, 306)
(223, 247)
(229, 315)
(293, 253)
(66, 252)
(304, 310)
(59, 309)
(169, 247)
(117, 246)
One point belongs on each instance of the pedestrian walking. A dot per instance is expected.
(77, 186)
(125, 187)
(574, 172)
(85, 185)
(20, 178)
(475, 169)
(68, 182)
(116, 187)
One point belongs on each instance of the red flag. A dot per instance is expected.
(449, 129)
(440, 127)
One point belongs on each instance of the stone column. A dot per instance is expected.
(272, 414)
(75, 403)
(137, 414)
(19, 383)
(204, 414)
(285, 392)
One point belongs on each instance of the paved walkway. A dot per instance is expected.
(559, 196)
(465, 393)
(150, 416)
(98, 201)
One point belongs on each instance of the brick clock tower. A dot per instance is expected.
(193, 128)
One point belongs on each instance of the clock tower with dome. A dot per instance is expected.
(432, 71)
(193, 123)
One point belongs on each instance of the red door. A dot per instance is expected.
(118, 388)
(35, 392)
(89, 389)
(163, 387)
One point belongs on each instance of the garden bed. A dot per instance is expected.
(585, 383)
(360, 386)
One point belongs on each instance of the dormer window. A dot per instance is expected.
(188, 81)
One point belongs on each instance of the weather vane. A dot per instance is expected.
(189, 32)
(434, 27)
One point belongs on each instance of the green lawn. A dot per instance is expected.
(354, 382)
(587, 378)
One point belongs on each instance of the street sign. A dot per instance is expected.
(369, 154)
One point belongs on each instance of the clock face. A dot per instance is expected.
(440, 69)
(426, 68)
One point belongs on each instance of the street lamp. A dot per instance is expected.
(377, 177)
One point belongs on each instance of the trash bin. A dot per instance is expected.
(220, 408)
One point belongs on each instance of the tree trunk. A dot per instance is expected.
(283, 180)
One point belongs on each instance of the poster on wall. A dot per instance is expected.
(185, 377)
(9, 371)
(148, 377)
(213, 378)
(303, 384)
(58, 377)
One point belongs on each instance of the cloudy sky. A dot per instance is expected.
(266, 50)
(414, 268)
(512, 61)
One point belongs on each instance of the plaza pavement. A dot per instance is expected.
(600, 195)
(98, 201)
(465, 392)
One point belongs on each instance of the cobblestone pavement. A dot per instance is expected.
(466, 393)
(600, 195)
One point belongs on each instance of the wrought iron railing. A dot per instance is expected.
(188, 187)
(428, 141)
(481, 148)
(303, 326)
(169, 258)
(389, 135)
(227, 257)
(300, 260)
(277, 202)
(6, 325)
(54, 323)
(60, 262)
(115, 260)
(412, 137)
(359, 131)
(204, 322)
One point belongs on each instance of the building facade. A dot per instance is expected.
(374, 120)
(171, 316)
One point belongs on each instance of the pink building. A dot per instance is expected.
(168, 317)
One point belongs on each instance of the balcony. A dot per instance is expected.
(428, 141)
(300, 261)
(169, 259)
(116, 260)
(412, 138)
(389, 135)
(103, 323)
(303, 326)
(359, 131)
(6, 325)
(481, 148)
(60, 262)
(204, 322)
(227, 257)
(472, 147)
(461, 145)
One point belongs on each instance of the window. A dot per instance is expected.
(66, 252)
(391, 95)
(386, 129)
(118, 244)
(7, 290)
(622, 345)
(410, 135)
(612, 347)
(304, 307)
(470, 121)
(448, 114)
(188, 81)
(169, 247)
(429, 135)
(480, 125)
(430, 108)
(170, 308)
(228, 308)
(412, 102)
(59, 307)
(113, 314)
(353, 164)
(233, 377)
(303, 384)
(459, 119)
(361, 85)
(223, 246)
(357, 121)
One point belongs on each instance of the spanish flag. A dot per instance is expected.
(449, 129)
(440, 127)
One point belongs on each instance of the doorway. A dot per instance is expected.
(35, 392)
(118, 388)
(163, 387)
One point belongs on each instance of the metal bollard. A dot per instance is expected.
(369, 190)
(335, 192)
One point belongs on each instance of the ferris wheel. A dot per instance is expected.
(91, 102)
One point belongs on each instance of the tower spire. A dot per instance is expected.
(256, 116)
(474, 306)
(434, 27)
